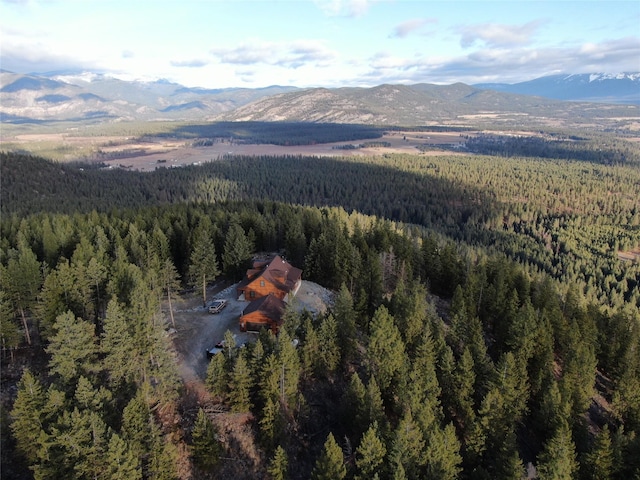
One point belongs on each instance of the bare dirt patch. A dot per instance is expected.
(630, 255)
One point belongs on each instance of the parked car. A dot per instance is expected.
(217, 306)
(218, 348)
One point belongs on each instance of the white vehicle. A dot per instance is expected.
(217, 306)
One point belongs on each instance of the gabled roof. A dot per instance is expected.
(282, 274)
(278, 272)
(269, 305)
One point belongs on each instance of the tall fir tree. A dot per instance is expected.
(237, 251)
(27, 418)
(370, 454)
(121, 463)
(278, 465)
(73, 348)
(557, 461)
(407, 447)
(330, 465)
(345, 315)
(240, 386)
(205, 447)
(203, 264)
(386, 350)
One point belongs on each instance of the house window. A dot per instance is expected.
(252, 294)
(262, 283)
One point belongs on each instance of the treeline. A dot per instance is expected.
(568, 219)
(276, 133)
(499, 371)
(602, 150)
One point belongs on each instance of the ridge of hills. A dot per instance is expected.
(589, 87)
(89, 97)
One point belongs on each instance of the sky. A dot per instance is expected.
(320, 43)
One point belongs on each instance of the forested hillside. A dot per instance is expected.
(483, 321)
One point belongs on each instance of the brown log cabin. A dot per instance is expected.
(276, 277)
(265, 312)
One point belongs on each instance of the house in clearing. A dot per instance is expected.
(276, 277)
(265, 312)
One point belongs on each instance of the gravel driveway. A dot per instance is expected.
(198, 330)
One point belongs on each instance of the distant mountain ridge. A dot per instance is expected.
(91, 97)
(69, 96)
(588, 87)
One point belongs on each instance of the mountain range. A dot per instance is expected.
(90, 97)
(587, 87)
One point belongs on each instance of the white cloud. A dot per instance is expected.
(405, 28)
(38, 58)
(195, 63)
(344, 8)
(288, 55)
(496, 35)
(506, 64)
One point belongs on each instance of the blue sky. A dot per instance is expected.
(311, 43)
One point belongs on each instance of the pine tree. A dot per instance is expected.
(310, 350)
(289, 369)
(21, 280)
(386, 349)
(409, 306)
(355, 412)
(170, 284)
(374, 408)
(240, 386)
(329, 347)
(424, 390)
(557, 461)
(345, 315)
(270, 423)
(330, 465)
(370, 454)
(81, 440)
(204, 446)
(120, 359)
(162, 458)
(203, 264)
(217, 376)
(443, 454)
(237, 251)
(270, 380)
(278, 465)
(599, 461)
(73, 348)
(10, 336)
(89, 398)
(27, 416)
(407, 446)
(121, 463)
(136, 425)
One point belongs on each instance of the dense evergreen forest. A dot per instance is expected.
(483, 322)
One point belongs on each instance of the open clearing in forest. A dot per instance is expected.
(156, 152)
(196, 329)
(630, 255)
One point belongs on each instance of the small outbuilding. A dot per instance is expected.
(265, 312)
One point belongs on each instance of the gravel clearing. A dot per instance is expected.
(198, 330)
